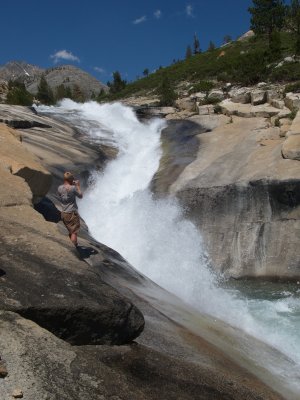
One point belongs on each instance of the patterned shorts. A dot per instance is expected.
(71, 221)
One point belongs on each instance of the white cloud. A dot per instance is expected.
(157, 14)
(189, 10)
(100, 70)
(140, 20)
(64, 55)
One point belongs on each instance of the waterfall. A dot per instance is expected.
(154, 234)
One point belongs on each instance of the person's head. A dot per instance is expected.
(68, 177)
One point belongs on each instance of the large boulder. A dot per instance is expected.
(199, 96)
(248, 111)
(292, 101)
(291, 146)
(273, 94)
(42, 366)
(277, 103)
(17, 159)
(240, 95)
(45, 282)
(258, 97)
(216, 95)
(207, 109)
(14, 190)
(295, 125)
(187, 104)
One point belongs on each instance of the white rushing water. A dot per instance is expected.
(157, 239)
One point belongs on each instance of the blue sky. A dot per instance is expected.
(103, 36)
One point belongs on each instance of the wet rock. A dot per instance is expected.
(180, 138)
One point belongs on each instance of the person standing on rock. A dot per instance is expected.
(67, 193)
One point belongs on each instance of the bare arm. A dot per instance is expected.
(78, 190)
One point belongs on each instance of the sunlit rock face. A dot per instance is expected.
(243, 195)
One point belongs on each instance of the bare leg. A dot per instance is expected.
(73, 237)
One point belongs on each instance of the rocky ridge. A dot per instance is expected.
(52, 302)
(67, 75)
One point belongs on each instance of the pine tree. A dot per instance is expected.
(146, 72)
(62, 92)
(68, 93)
(77, 94)
(188, 53)
(118, 83)
(267, 16)
(196, 44)
(293, 22)
(227, 39)
(275, 46)
(166, 92)
(18, 94)
(101, 95)
(45, 94)
(211, 46)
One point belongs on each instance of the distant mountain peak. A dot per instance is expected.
(68, 75)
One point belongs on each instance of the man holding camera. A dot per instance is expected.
(67, 193)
